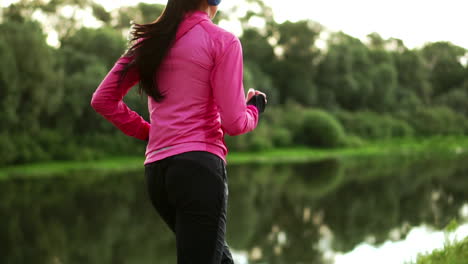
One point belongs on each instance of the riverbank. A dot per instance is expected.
(443, 146)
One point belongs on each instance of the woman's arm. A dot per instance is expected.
(228, 91)
(107, 101)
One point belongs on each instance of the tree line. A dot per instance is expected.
(344, 93)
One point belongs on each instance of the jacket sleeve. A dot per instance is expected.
(108, 101)
(228, 91)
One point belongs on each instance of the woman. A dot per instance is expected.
(191, 71)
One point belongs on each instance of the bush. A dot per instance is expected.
(237, 143)
(438, 121)
(292, 117)
(27, 149)
(456, 99)
(320, 129)
(8, 151)
(371, 125)
(281, 137)
(279, 122)
(259, 143)
(256, 141)
(261, 139)
(353, 141)
(399, 128)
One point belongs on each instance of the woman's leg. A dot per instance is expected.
(198, 195)
(155, 182)
(200, 192)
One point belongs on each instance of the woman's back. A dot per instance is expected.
(188, 116)
(201, 79)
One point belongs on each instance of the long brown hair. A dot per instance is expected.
(152, 42)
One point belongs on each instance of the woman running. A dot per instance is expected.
(191, 71)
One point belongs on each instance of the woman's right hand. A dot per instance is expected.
(253, 92)
(256, 98)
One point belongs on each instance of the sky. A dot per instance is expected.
(416, 22)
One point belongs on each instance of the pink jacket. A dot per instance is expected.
(201, 78)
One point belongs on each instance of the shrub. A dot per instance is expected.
(261, 139)
(438, 121)
(8, 151)
(27, 149)
(321, 129)
(371, 125)
(259, 143)
(281, 137)
(456, 99)
(353, 141)
(400, 128)
(237, 143)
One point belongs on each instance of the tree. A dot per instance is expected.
(295, 70)
(29, 86)
(258, 60)
(142, 13)
(413, 80)
(344, 73)
(443, 60)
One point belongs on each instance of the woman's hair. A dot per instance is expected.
(152, 43)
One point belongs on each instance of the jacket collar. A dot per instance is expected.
(190, 20)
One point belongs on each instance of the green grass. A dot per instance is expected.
(452, 253)
(443, 146)
(57, 167)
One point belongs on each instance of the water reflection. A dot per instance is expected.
(278, 213)
(419, 240)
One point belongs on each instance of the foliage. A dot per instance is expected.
(438, 120)
(320, 129)
(342, 94)
(28, 83)
(371, 125)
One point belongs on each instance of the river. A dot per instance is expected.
(330, 211)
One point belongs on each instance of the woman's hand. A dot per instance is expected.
(256, 98)
(253, 92)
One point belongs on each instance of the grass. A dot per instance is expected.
(444, 146)
(452, 253)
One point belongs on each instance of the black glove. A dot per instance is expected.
(258, 101)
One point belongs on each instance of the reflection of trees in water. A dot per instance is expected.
(81, 219)
(357, 200)
(277, 209)
(275, 203)
(403, 195)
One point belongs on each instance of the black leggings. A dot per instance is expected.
(190, 192)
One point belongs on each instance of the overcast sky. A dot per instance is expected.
(414, 21)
